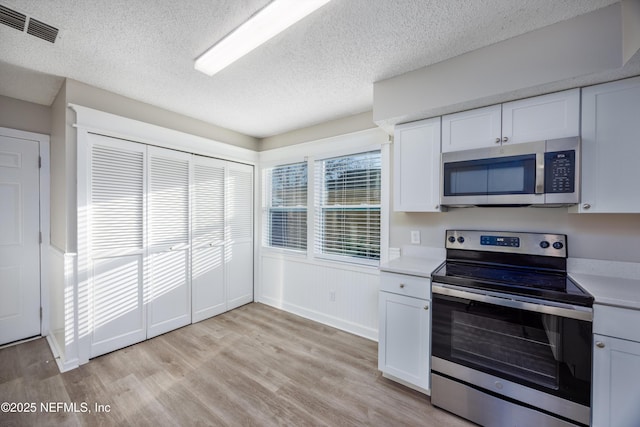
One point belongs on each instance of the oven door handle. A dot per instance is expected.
(505, 300)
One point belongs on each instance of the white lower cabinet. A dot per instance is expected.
(404, 338)
(616, 367)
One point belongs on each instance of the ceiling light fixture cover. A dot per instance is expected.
(276, 17)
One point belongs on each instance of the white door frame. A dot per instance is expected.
(43, 144)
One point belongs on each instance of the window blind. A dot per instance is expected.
(347, 206)
(285, 224)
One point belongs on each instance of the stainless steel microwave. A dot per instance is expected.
(533, 173)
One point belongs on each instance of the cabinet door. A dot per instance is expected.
(556, 115)
(610, 147)
(169, 288)
(209, 296)
(404, 338)
(416, 171)
(472, 129)
(239, 225)
(616, 382)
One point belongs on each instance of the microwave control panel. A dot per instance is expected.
(560, 172)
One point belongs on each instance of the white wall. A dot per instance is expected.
(23, 115)
(596, 236)
(342, 126)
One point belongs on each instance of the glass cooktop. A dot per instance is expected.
(548, 285)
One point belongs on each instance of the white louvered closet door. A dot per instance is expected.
(239, 234)
(116, 190)
(207, 248)
(169, 289)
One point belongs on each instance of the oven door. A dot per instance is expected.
(522, 350)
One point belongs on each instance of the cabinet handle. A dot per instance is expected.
(426, 307)
(599, 344)
(497, 140)
(401, 285)
(505, 139)
(586, 206)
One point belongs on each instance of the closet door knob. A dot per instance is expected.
(497, 140)
(586, 206)
(599, 344)
(505, 139)
(401, 285)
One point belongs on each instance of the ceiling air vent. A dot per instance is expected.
(12, 19)
(41, 30)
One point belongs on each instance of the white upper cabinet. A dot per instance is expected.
(416, 175)
(611, 148)
(555, 115)
(471, 129)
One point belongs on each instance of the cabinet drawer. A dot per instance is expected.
(402, 284)
(616, 322)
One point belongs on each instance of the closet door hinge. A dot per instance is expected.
(39, 162)
(40, 313)
(40, 237)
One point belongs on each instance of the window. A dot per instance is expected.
(286, 210)
(347, 207)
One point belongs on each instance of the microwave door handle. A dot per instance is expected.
(539, 173)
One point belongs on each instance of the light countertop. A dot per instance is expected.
(415, 266)
(610, 282)
(606, 290)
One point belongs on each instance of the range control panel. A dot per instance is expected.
(513, 242)
(508, 241)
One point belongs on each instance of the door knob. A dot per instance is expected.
(505, 139)
(586, 206)
(599, 344)
(426, 307)
(401, 285)
(497, 140)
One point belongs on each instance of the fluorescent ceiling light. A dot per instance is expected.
(276, 17)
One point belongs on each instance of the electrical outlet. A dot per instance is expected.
(415, 237)
(332, 296)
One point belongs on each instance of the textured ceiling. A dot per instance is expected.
(321, 69)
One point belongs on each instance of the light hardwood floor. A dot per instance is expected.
(253, 366)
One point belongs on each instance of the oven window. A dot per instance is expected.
(522, 351)
(542, 351)
(504, 175)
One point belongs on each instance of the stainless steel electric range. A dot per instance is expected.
(511, 332)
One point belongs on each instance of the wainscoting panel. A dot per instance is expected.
(339, 295)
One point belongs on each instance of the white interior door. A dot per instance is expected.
(239, 233)
(117, 244)
(207, 249)
(169, 288)
(19, 239)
